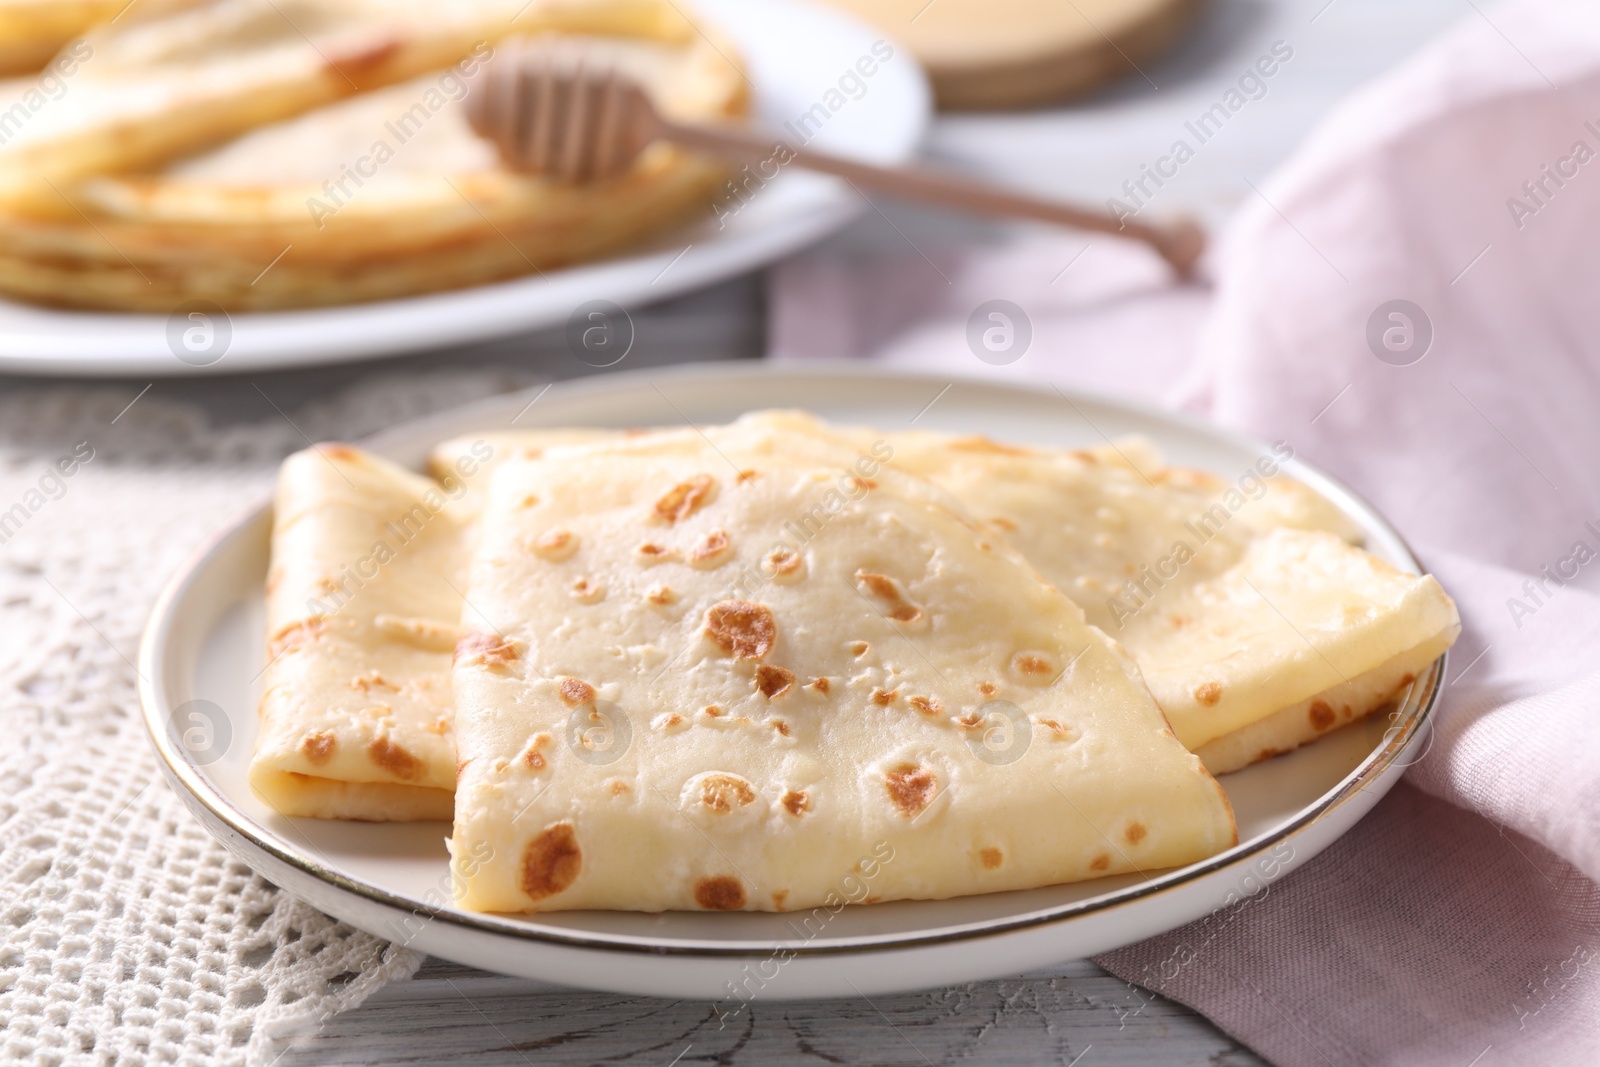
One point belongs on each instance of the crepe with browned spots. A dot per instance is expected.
(861, 687)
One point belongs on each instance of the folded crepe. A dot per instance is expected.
(33, 31)
(1256, 624)
(474, 457)
(363, 611)
(734, 675)
(327, 139)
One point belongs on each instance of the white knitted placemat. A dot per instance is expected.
(127, 935)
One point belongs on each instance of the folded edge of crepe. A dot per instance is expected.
(362, 615)
(1375, 622)
(784, 728)
(1362, 669)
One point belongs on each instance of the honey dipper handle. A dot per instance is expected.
(1179, 241)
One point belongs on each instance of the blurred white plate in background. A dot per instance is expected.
(795, 52)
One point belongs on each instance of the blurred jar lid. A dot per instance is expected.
(999, 54)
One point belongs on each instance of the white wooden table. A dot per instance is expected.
(1074, 1013)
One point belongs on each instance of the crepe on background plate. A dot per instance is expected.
(33, 31)
(646, 721)
(326, 138)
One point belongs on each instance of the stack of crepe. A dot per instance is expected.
(756, 659)
(189, 150)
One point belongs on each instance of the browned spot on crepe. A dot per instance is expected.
(859, 648)
(747, 476)
(741, 627)
(1209, 693)
(1321, 715)
(979, 443)
(783, 561)
(296, 635)
(773, 680)
(1134, 833)
(338, 451)
(532, 757)
(661, 594)
(988, 689)
(887, 590)
(362, 683)
(991, 858)
(926, 705)
(491, 650)
(1100, 862)
(318, 746)
(555, 543)
(357, 63)
(796, 802)
(721, 893)
(1000, 522)
(713, 546)
(685, 498)
(1032, 663)
(551, 861)
(722, 793)
(911, 788)
(821, 685)
(781, 726)
(778, 897)
(575, 691)
(394, 759)
(884, 697)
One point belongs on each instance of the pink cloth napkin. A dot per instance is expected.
(1459, 924)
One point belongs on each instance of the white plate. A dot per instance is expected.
(795, 52)
(205, 643)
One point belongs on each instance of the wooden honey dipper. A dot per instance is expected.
(551, 113)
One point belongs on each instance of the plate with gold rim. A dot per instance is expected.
(203, 653)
